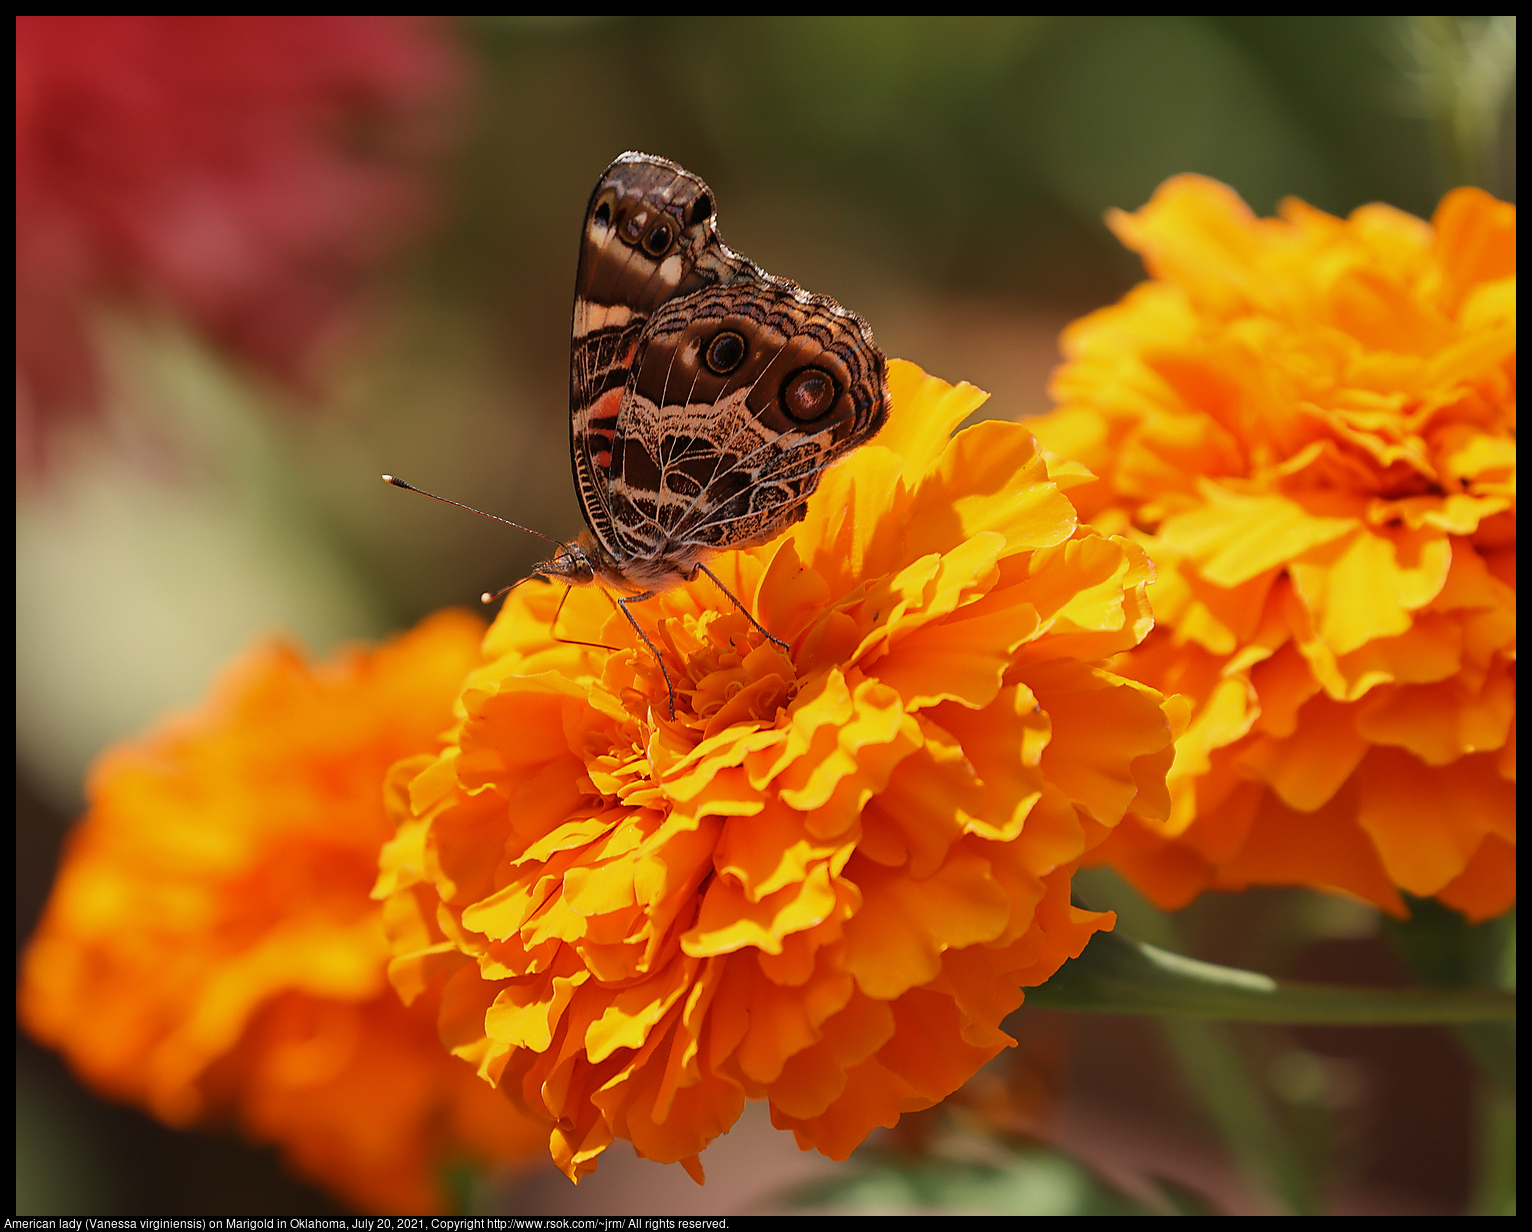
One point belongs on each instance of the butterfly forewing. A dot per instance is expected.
(707, 396)
(625, 272)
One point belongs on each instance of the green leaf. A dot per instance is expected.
(1116, 975)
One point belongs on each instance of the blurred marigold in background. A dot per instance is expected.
(1310, 424)
(245, 172)
(825, 881)
(210, 950)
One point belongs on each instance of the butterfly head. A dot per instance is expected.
(571, 564)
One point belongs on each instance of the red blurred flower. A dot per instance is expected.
(243, 171)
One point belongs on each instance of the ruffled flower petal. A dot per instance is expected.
(1309, 423)
(211, 950)
(827, 878)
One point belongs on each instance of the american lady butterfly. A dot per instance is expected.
(707, 397)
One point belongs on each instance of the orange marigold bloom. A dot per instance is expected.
(210, 949)
(1310, 423)
(826, 880)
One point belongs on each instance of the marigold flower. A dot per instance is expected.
(1310, 423)
(245, 171)
(210, 949)
(826, 880)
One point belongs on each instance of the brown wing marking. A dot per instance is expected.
(703, 459)
(624, 273)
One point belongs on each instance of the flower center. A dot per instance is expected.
(723, 670)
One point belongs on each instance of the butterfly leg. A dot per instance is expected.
(571, 641)
(732, 599)
(622, 606)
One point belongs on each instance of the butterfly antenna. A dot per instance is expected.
(410, 487)
(489, 597)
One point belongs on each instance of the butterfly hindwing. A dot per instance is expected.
(737, 403)
(707, 397)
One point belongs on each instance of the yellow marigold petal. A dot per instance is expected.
(669, 913)
(988, 743)
(896, 940)
(931, 794)
(1098, 730)
(1089, 594)
(1196, 233)
(1324, 407)
(771, 850)
(1325, 848)
(1442, 722)
(860, 753)
(627, 1021)
(1234, 538)
(785, 1022)
(1365, 586)
(690, 780)
(1475, 242)
(858, 520)
(698, 1115)
(960, 659)
(1282, 683)
(575, 1153)
(928, 1050)
(1431, 649)
(1059, 931)
(1307, 767)
(548, 707)
(728, 921)
(1470, 459)
(1110, 612)
(821, 1075)
(525, 1014)
(1426, 822)
(926, 412)
(1491, 346)
(1169, 874)
(1221, 619)
(465, 1001)
(1369, 305)
(872, 1098)
(990, 477)
(1489, 305)
(825, 704)
(1486, 887)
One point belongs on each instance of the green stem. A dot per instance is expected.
(1494, 1182)
(1446, 951)
(1229, 1095)
(1217, 1072)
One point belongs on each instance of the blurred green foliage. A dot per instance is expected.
(943, 176)
(1026, 1180)
(973, 152)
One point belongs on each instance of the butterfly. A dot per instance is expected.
(706, 396)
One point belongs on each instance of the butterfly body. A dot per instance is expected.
(707, 397)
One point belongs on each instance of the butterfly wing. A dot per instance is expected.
(738, 400)
(650, 235)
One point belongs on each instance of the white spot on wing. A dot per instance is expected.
(590, 317)
(670, 270)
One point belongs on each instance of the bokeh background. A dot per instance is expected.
(261, 261)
